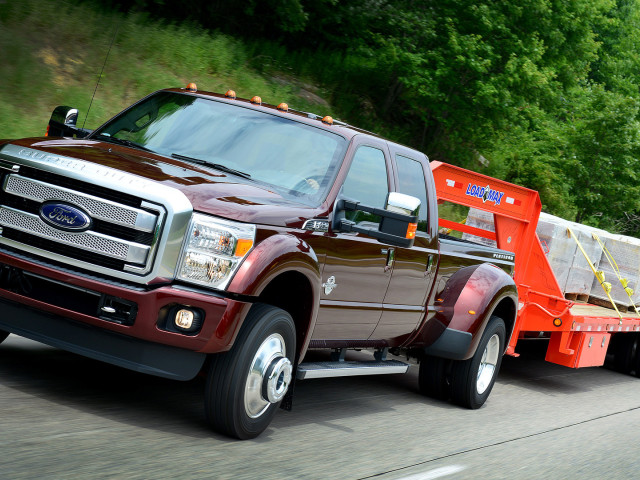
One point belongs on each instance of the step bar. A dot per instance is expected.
(350, 368)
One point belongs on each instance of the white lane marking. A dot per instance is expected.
(437, 473)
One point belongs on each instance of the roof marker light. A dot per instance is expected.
(284, 107)
(192, 87)
(256, 100)
(328, 120)
(230, 94)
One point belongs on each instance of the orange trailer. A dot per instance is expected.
(579, 333)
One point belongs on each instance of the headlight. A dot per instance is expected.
(213, 250)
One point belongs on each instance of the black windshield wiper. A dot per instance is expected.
(217, 166)
(122, 141)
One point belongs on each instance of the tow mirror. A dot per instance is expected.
(406, 207)
(398, 223)
(63, 123)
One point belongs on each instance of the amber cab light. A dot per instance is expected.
(256, 100)
(192, 87)
(328, 120)
(230, 94)
(284, 107)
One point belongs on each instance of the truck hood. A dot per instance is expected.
(209, 190)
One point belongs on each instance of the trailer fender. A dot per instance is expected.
(278, 257)
(463, 309)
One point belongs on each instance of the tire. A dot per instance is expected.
(432, 377)
(625, 352)
(473, 379)
(3, 336)
(246, 385)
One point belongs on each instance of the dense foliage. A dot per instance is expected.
(543, 93)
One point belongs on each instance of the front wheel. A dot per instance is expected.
(3, 336)
(473, 379)
(246, 384)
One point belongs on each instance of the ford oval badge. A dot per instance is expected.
(65, 217)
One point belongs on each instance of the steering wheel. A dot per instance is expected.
(309, 184)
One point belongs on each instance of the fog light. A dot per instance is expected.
(184, 319)
(187, 320)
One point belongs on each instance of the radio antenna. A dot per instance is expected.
(100, 76)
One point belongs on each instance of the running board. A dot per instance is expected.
(349, 368)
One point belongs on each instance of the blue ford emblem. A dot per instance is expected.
(64, 216)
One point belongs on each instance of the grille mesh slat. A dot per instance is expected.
(32, 224)
(38, 191)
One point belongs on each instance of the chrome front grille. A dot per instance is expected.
(96, 207)
(94, 242)
(136, 227)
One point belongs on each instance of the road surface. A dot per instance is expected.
(64, 417)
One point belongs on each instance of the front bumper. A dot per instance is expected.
(128, 352)
(67, 318)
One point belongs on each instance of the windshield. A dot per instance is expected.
(298, 160)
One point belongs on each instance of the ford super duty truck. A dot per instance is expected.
(197, 232)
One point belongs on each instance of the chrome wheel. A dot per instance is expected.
(246, 384)
(488, 363)
(269, 376)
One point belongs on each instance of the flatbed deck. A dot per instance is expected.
(589, 310)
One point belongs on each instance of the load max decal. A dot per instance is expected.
(485, 193)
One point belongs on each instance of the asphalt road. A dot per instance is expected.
(63, 416)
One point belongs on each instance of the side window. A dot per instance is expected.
(367, 182)
(411, 182)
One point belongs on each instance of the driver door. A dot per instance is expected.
(356, 272)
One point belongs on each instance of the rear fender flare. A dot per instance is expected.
(471, 297)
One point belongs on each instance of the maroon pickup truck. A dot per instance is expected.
(197, 232)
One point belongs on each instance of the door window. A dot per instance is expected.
(411, 182)
(367, 182)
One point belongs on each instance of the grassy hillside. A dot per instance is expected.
(53, 51)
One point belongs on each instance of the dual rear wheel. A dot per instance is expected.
(467, 383)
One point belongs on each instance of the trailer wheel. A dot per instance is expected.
(3, 336)
(473, 379)
(246, 384)
(625, 352)
(432, 377)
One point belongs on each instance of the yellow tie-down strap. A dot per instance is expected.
(606, 286)
(623, 281)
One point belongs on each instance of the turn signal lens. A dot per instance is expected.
(243, 245)
(411, 230)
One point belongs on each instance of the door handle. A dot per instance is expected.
(391, 258)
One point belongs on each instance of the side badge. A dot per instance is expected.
(329, 285)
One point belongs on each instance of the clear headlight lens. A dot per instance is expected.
(213, 250)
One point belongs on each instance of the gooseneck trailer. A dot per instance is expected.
(580, 334)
